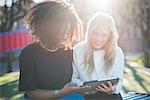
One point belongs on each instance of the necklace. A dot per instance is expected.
(50, 50)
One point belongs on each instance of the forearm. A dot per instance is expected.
(41, 94)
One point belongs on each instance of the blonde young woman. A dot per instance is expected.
(99, 57)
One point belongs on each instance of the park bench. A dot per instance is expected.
(137, 96)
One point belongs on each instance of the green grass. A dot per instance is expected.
(136, 79)
(9, 87)
(137, 60)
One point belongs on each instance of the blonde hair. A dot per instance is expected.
(106, 22)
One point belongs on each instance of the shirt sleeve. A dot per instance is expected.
(75, 76)
(27, 79)
(119, 66)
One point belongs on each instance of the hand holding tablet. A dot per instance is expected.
(95, 84)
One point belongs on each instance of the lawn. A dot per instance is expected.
(9, 87)
(136, 79)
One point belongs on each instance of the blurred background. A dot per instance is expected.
(132, 19)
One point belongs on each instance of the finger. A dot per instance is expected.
(93, 92)
(114, 85)
(110, 85)
(105, 87)
(81, 89)
(86, 87)
(72, 84)
(102, 89)
(98, 89)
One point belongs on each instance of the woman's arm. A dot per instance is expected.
(118, 72)
(119, 68)
(75, 76)
(40, 94)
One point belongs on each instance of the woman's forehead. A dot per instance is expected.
(101, 29)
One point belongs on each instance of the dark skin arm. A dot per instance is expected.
(40, 94)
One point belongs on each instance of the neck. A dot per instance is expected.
(49, 49)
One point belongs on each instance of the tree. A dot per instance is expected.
(8, 15)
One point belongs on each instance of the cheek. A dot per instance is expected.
(98, 43)
(105, 40)
(95, 38)
(91, 39)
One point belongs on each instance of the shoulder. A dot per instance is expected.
(80, 46)
(79, 49)
(28, 50)
(119, 54)
(119, 51)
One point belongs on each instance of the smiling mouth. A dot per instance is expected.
(97, 43)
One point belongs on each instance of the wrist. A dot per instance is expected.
(112, 92)
(59, 93)
(65, 91)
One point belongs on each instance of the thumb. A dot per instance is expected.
(114, 85)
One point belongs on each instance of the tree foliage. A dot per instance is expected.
(8, 15)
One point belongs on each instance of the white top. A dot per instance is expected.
(81, 75)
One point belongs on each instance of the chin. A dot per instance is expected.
(97, 47)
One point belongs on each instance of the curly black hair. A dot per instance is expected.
(54, 23)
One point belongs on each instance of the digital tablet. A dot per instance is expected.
(95, 83)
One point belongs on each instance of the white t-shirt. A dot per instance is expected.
(80, 74)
